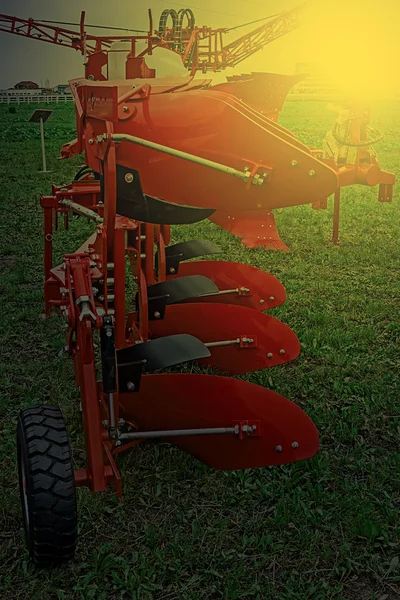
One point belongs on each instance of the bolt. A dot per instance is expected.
(269, 355)
(293, 163)
(278, 448)
(265, 175)
(109, 333)
(246, 169)
(118, 443)
(295, 444)
(272, 298)
(172, 270)
(125, 109)
(90, 142)
(157, 314)
(281, 351)
(129, 177)
(312, 173)
(130, 386)
(262, 301)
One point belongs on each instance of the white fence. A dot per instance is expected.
(61, 98)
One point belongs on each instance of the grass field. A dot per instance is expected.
(322, 529)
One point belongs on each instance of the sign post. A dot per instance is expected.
(40, 116)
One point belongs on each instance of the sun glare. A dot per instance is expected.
(356, 44)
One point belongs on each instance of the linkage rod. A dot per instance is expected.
(187, 432)
(122, 137)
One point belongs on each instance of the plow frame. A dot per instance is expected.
(226, 423)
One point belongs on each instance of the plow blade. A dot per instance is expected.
(134, 204)
(240, 339)
(177, 253)
(163, 353)
(181, 289)
(266, 92)
(255, 228)
(284, 433)
(233, 279)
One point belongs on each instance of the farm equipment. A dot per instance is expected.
(290, 173)
(348, 150)
(206, 311)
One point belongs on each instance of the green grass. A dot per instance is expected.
(326, 528)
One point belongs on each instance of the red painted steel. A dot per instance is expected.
(264, 341)
(255, 228)
(190, 401)
(264, 290)
(201, 48)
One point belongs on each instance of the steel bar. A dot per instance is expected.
(43, 147)
(223, 343)
(122, 137)
(183, 432)
(81, 210)
(336, 217)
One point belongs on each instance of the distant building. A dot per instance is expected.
(22, 92)
(26, 85)
(63, 88)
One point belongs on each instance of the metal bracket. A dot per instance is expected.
(178, 253)
(248, 428)
(162, 353)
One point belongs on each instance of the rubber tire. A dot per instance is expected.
(49, 505)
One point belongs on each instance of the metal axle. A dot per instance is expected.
(182, 432)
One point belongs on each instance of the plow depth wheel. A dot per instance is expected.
(47, 488)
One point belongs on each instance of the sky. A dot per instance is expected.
(357, 40)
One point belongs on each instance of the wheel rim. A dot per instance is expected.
(24, 494)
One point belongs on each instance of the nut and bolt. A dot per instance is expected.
(125, 108)
(281, 351)
(172, 270)
(90, 142)
(272, 298)
(262, 301)
(130, 386)
(157, 314)
(312, 173)
(293, 163)
(295, 444)
(269, 355)
(129, 177)
(278, 448)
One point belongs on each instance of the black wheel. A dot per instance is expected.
(47, 487)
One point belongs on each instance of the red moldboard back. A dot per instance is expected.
(265, 290)
(273, 342)
(185, 401)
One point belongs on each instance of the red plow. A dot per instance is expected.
(161, 152)
(182, 310)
